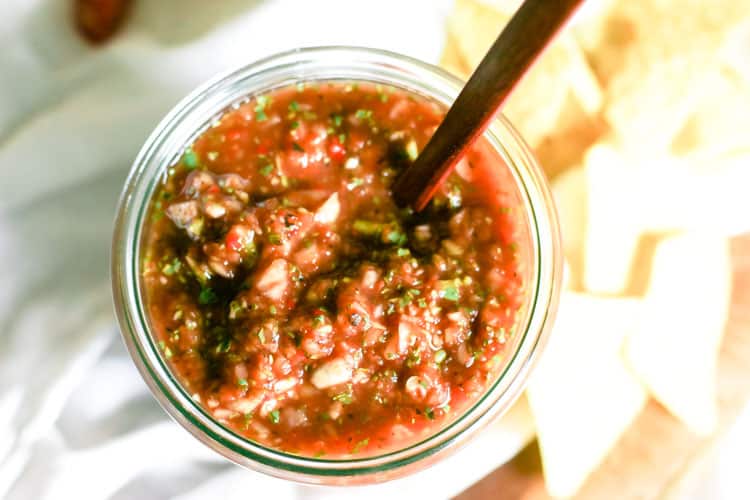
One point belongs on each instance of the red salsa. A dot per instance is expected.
(299, 305)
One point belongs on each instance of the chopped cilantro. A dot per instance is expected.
(344, 398)
(207, 296)
(414, 358)
(319, 319)
(360, 445)
(190, 159)
(172, 267)
(260, 107)
(293, 107)
(407, 297)
(403, 252)
(224, 345)
(355, 183)
(363, 114)
(294, 125)
(367, 227)
(242, 382)
(440, 356)
(429, 413)
(450, 292)
(297, 147)
(396, 237)
(274, 416)
(274, 238)
(167, 351)
(337, 119)
(196, 227)
(266, 169)
(248, 417)
(411, 150)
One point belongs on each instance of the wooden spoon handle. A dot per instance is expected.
(521, 42)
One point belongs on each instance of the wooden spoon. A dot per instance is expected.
(524, 38)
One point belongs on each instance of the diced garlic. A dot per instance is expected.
(284, 384)
(329, 211)
(335, 372)
(214, 209)
(351, 163)
(416, 387)
(274, 280)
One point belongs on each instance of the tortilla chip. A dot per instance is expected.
(614, 223)
(718, 122)
(574, 134)
(733, 54)
(581, 395)
(627, 198)
(569, 191)
(474, 27)
(581, 78)
(654, 64)
(705, 193)
(674, 351)
(535, 107)
(674, 88)
(451, 59)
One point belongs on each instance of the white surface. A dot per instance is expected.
(76, 420)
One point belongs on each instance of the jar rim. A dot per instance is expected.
(176, 130)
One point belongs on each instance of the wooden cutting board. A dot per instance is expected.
(657, 457)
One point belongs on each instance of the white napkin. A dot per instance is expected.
(76, 420)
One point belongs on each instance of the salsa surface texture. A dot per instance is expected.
(299, 305)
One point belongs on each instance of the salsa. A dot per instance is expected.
(298, 304)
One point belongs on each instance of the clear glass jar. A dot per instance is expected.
(196, 112)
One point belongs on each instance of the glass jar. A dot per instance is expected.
(193, 115)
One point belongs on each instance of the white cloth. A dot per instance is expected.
(76, 420)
